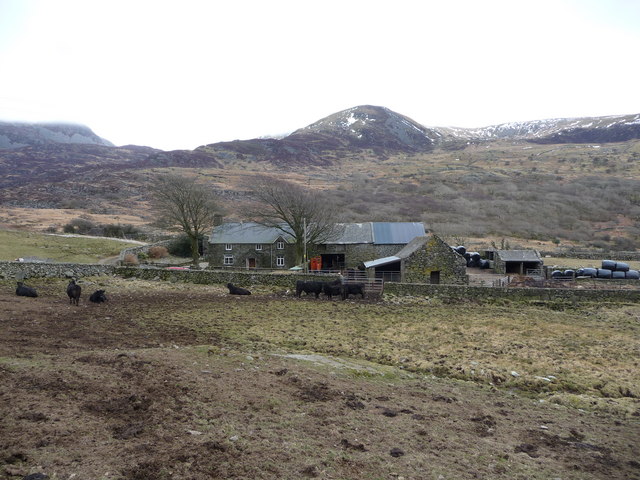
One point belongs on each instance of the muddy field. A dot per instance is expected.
(131, 390)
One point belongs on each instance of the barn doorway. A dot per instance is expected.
(434, 277)
(251, 263)
(332, 261)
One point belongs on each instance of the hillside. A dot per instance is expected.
(499, 181)
(17, 135)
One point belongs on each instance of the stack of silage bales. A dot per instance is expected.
(610, 269)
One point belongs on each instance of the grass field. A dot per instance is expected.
(15, 244)
(171, 380)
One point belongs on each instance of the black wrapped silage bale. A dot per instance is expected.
(569, 273)
(580, 272)
(608, 265)
(556, 274)
(618, 275)
(622, 267)
(590, 272)
(484, 264)
(632, 275)
(460, 249)
(604, 273)
(473, 260)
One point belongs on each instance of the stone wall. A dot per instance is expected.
(435, 256)
(465, 293)
(242, 279)
(22, 270)
(142, 249)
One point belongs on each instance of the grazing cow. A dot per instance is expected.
(98, 297)
(74, 290)
(24, 291)
(352, 288)
(233, 290)
(332, 288)
(309, 287)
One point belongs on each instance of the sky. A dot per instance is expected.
(180, 74)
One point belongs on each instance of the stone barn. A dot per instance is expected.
(425, 259)
(516, 262)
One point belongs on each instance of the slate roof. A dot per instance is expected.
(518, 255)
(247, 232)
(377, 233)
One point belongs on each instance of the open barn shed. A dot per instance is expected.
(516, 262)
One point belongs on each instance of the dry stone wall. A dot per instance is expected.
(22, 270)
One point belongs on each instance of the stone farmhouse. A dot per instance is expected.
(251, 245)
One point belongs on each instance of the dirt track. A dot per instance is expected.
(89, 392)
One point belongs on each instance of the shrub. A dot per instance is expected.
(180, 247)
(130, 259)
(158, 252)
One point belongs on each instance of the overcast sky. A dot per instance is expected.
(179, 74)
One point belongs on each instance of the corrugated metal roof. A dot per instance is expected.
(247, 232)
(518, 255)
(386, 233)
(381, 261)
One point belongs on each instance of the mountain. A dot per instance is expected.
(617, 128)
(18, 135)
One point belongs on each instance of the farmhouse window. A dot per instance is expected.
(280, 245)
(280, 261)
(228, 246)
(258, 246)
(228, 259)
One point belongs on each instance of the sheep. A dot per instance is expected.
(74, 290)
(353, 288)
(24, 291)
(308, 287)
(98, 297)
(233, 290)
(332, 288)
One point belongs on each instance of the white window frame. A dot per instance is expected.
(280, 245)
(258, 247)
(228, 247)
(227, 260)
(280, 261)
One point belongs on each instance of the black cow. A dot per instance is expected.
(309, 287)
(24, 291)
(233, 290)
(98, 297)
(74, 290)
(352, 288)
(332, 288)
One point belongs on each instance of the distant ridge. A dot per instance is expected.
(17, 135)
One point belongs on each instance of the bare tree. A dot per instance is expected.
(184, 205)
(301, 212)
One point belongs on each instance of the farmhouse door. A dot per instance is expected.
(251, 263)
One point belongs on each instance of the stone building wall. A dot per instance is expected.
(435, 256)
(265, 258)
